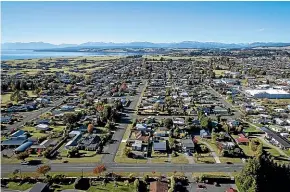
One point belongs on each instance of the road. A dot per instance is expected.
(112, 149)
(34, 114)
(237, 113)
(119, 167)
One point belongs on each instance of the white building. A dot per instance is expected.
(269, 93)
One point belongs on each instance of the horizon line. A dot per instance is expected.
(149, 42)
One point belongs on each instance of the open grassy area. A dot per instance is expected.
(5, 98)
(223, 159)
(247, 150)
(219, 72)
(180, 159)
(87, 157)
(17, 186)
(204, 158)
(94, 188)
(34, 132)
(213, 174)
(121, 158)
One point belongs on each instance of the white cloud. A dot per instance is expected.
(261, 29)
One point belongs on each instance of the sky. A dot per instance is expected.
(80, 22)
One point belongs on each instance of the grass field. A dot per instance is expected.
(219, 72)
(34, 132)
(180, 159)
(204, 158)
(87, 157)
(224, 159)
(16, 186)
(5, 98)
(94, 188)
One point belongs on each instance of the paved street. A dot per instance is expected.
(34, 114)
(112, 149)
(118, 167)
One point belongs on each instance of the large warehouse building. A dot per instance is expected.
(269, 93)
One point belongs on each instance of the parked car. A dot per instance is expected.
(24, 163)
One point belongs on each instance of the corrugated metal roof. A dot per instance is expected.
(24, 146)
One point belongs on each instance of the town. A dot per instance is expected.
(185, 120)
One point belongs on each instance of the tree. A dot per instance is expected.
(90, 128)
(43, 169)
(213, 137)
(22, 156)
(99, 169)
(68, 88)
(136, 183)
(168, 123)
(172, 182)
(156, 106)
(127, 151)
(74, 152)
(171, 142)
(18, 95)
(70, 118)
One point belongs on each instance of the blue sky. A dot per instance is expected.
(78, 22)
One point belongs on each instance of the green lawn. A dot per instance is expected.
(121, 158)
(204, 158)
(34, 132)
(16, 186)
(5, 98)
(219, 72)
(88, 157)
(247, 150)
(212, 174)
(58, 128)
(180, 159)
(98, 187)
(223, 159)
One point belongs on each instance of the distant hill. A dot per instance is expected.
(184, 44)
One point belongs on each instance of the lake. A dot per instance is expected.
(30, 54)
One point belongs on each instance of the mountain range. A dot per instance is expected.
(183, 44)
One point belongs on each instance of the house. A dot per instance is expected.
(226, 145)
(23, 147)
(158, 186)
(204, 133)
(279, 121)
(18, 135)
(187, 145)
(67, 108)
(89, 143)
(43, 121)
(160, 133)
(74, 141)
(42, 100)
(279, 110)
(6, 119)
(42, 127)
(139, 136)
(12, 143)
(160, 146)
(242, 139)
(220, 110)
(40, 187)
(141, 127)
(44, 145)
(178, 121)
(137, 145)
